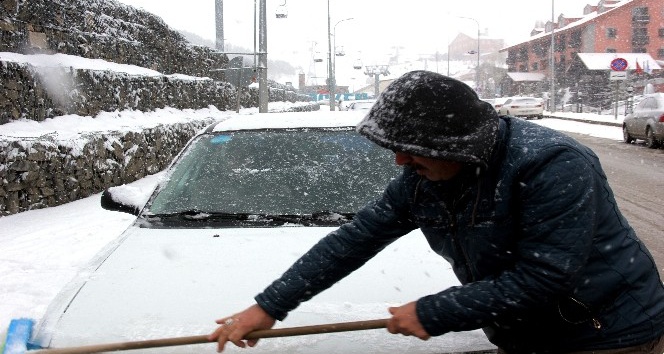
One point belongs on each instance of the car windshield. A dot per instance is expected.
(277, 172)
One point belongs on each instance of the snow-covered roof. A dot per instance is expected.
(602, 61)
(586, 18)
(517, 76)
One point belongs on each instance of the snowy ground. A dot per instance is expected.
(43, 249)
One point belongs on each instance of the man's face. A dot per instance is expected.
(430, 168)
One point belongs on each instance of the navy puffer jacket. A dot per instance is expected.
(546, 260)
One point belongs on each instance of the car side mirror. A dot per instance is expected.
(109, 203)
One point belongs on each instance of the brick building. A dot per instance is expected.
(611, 26)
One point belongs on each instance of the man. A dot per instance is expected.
(524, 214)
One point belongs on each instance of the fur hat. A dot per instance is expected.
(427, 114)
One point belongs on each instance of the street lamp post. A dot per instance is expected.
(331, 81)
(477, 71)
(333, 78)
(330, 77)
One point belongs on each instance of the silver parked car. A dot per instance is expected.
(242, 202)
(523, 107)
(646, 121)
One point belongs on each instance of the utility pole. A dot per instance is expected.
(552, 99)
(262, 59)
(219, 24)
(331, 85)
(477, 70)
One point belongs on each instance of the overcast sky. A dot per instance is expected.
(423, 25)
(374, 33)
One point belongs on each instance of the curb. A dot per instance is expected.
(613, 124)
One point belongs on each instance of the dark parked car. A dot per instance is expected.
(646, 121)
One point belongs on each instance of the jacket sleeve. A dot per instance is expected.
(555, 198)
(341, 252)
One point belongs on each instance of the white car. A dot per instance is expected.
(244, 200)
(526, 107)
(361, 105)
(498, 102)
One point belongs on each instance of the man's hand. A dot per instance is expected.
(234, 328)
(404, 320)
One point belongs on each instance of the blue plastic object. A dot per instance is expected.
(18, 335)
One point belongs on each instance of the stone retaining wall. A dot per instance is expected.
(41, 173)
(102, 29)
(37, 93)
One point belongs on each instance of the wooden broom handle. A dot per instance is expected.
(175, 341)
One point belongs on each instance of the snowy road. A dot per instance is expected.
(636, 174)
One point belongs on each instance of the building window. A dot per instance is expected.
(535, 66)
(639, 50)
(611, 32)
(640, 14)
(611, 50)
(660, 53)
(661, 32)
(640, 36)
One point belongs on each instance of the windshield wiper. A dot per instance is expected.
(194, 215)
(328, 215)
(201, 215)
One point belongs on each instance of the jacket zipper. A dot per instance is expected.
(457, 244)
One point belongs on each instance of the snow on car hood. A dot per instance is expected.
(162, 283)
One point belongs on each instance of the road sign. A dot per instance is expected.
(240, 76)
(619, 64)
(618, 75)
(236, 62)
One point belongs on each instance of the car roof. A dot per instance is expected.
(655, 94)
(284, 120)
(524, 97)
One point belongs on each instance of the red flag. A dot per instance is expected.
(638, 68)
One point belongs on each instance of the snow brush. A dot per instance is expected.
(18, 335)
(20, 342)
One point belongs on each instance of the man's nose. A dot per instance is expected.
(402, 158)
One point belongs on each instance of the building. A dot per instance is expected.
(463, 47)
(611, 26)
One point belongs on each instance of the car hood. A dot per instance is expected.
(157, 283)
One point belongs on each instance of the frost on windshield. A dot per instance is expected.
(277, 172)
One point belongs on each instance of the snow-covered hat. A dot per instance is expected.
(427, 114)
